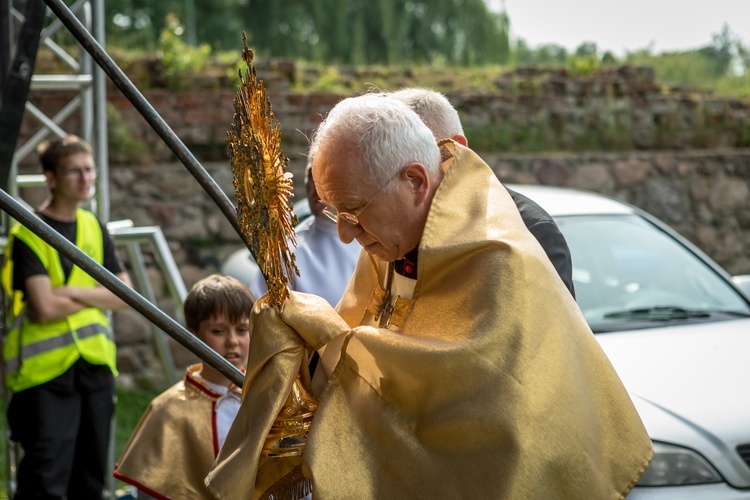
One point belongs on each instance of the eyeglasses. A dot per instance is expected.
(80, 172)
(351, 218)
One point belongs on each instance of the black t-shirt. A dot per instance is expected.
(27, 264)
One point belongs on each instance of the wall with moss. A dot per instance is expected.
(524, 110)
(681, 155)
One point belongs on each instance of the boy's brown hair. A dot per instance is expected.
(217, 295)
(52, 152)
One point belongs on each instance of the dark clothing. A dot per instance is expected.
(27, 264)
(63, 425)
(408, 265)
(544, 229)
(64, 428)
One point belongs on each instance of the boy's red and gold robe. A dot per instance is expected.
(175, 443)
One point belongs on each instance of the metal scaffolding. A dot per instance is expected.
(88, 82)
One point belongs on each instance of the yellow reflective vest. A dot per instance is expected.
(34, 352)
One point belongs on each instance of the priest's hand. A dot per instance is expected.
(313, 318)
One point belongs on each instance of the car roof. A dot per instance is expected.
(560, 201)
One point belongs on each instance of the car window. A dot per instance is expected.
(624, 263)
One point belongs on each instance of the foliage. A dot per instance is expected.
(138, 23)
(542, 136)
(551, 54)
(582, 65)
(122, 145)
(691, 69)
(445, 33)
(331, 31)
(454, 46)
(180, 61)
(722, 66)
(384, 32)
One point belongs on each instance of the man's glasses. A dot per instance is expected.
(349, 217)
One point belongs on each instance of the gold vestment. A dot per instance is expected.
(494, 386)
(175, 443)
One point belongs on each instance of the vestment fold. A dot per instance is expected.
(176, 433)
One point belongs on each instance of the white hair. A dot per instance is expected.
(385, 133)
(434, 109)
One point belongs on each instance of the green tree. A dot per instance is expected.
(609, 58)
(551, 54)
(721, 51)
(587, 49)
(383, 32)
(504, 49)
(137, 24)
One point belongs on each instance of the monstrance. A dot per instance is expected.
(263, 191)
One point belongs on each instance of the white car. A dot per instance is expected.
(675, 326)
(677, 330)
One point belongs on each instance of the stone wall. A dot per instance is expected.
(705, 195)
(682, 160)
(530, 110)
(537, 109)
(702, 194)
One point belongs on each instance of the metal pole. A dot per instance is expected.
(142, 283)
(116, 286)
(101, 147)
(147, 111)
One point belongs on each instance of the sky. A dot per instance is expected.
(626, 25)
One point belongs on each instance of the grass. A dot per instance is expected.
(131, 403)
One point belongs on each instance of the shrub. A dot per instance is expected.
(181, 62)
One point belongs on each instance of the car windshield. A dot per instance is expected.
(629, 274)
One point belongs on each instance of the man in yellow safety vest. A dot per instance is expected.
(59, 354)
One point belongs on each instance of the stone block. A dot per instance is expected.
(127, 360)
(729, 194)
(630, 172)
(699, 190)
(552, 172)
(164, 213)
(685, 168)
(192, 274)
(181, 356)
(665, 163)
(130, 327)
(592, 177)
